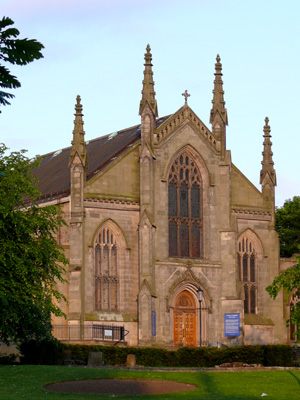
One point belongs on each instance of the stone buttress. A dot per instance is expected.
(78, 165)
(148, 113)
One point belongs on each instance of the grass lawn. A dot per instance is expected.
(26, 383)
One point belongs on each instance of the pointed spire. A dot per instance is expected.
(218, 98)
(78, 143)
(267, 162)
(148, 93)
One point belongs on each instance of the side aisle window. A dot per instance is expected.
(185, 211)
(247, 274)
(106, 271)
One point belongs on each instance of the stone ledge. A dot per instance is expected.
(253, 319)
(202, 369)
(248, 211)
(238, 365)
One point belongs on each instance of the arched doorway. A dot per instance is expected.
(185, 320)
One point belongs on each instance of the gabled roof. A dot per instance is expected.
(54, 174)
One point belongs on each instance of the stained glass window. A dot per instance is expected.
(172, 199)
(185, 217)
(195, 240)
(173, 239)
(252, 299)
(246, 300)
(239, 265)
(184, 200)
(113, 269)
(245, 267)
(246, 258)
(252, 268)
(106, 271)
(184, 240)
(195, 201)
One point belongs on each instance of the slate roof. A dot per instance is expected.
(54, 174)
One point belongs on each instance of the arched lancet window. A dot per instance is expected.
(293, 327)
(185, 213)
(246, 258)
(106, 271)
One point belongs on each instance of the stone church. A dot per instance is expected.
(169, 243)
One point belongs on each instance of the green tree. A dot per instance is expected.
(31, 261)
(289, 280)
(14, 51)
(288, 226)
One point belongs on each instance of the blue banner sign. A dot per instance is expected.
(232, 324)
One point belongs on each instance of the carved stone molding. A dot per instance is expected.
(74, 268)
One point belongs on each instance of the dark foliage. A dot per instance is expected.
(277, 355)
(288, 226)
(31, 261)
(204, 357)
(14, 51)
(8, 359)
(44, 352)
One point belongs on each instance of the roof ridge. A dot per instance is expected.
(99, 137)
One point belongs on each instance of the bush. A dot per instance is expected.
(50, 352)
(193, 357)
(279, 355)
(211, 356)
(246, 354)
(112, 355)
(148, 356)
(46, 352)
(157, 357)
(8, 359)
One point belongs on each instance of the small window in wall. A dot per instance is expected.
(246, 258)
(185, 208)
(106, 272)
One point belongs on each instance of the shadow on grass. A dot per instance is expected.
(212, 390)
(294, 376)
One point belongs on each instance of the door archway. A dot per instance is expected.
(185, 320)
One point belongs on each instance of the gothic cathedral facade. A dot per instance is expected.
(168, 242)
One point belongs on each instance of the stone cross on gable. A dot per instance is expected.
(185, 95)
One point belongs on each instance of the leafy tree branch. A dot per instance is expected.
(31, 261)
(14, 51)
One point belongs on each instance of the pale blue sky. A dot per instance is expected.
(95, 48)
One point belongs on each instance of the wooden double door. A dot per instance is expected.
(185, 320)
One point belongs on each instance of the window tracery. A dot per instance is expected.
(247, 274)
(185, 219)
(106, 271)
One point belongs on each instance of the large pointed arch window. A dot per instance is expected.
(106, 271)
(247, 272)
(185, 211)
